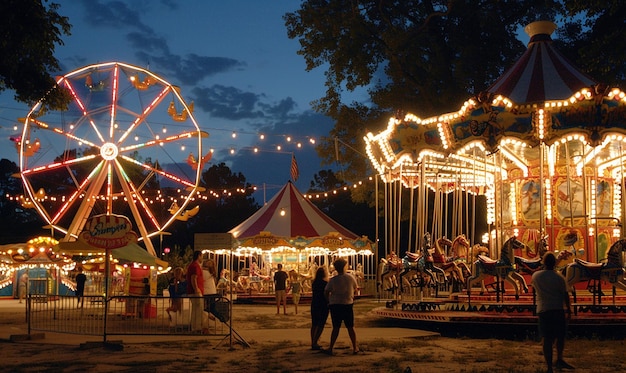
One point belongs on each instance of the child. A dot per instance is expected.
(177, 289)
(296, 288)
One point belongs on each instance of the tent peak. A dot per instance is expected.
(541, 29)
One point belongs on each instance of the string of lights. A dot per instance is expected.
(164, 196)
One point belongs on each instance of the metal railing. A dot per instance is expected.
(125, 315)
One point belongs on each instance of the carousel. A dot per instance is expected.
(535, 162)
(34, 268)
(292, 231)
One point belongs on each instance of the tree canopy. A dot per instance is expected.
(428, 57)
(29, 32)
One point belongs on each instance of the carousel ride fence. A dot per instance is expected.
(125, 315)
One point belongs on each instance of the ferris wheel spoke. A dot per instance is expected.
(140, 118)
(172, 177)
(57, 165)
(41, 211)
(83, 108)
(61, 132)
(114, 93)
(161, 142)
(132, 194)
(92, 189)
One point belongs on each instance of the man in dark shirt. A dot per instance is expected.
(280, 287)
(80, 287)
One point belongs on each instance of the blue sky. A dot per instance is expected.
(231, 58)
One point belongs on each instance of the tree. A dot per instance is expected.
(29, 32)
(232, 202)
(229, 203)
(341, 208)
(17, 222)
(596, 41)
(428, 57)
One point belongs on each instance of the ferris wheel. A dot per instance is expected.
(119, 148)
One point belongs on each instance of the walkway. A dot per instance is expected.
(19, 331)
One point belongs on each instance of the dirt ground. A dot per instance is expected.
(380, 354)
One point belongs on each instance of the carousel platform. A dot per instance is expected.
(265, 298)
(486, 316)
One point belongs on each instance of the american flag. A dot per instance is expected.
(295, 173)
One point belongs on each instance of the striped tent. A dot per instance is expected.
(290, 214)
(542, 73)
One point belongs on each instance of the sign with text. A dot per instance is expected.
(108, 232)
(212, 241)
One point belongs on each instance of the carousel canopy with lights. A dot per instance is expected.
(290, 214)
(535, 143)
(290, 222)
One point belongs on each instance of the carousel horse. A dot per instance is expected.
(307, 278)
(458, 250)
(502, 268)
(259, 279)
(612, 271)
(530, 266)
(421, 265)
(358, 275)
(476, 251)
(446, 263)
(388, 272)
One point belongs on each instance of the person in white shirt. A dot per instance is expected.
(209, 275)
(553, 310)
(340, 292)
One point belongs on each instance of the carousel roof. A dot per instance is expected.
(290, 214)
(542, 73)
(542, 99)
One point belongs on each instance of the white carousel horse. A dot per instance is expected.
(612, 271)
(359, 275)
(307, 277)
(447, 263)
(388, 272)
(501, 268)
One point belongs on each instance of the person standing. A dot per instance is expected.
(280, 287)
(553, 310)
(81, 279)
(23, 286)
(319, 307)
(296, 289)
(177, 288)
(209, 274)
(195, 284)
(340, 292)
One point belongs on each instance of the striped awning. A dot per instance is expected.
(542, 73)
(290, 214)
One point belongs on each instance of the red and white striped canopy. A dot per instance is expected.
(542, 73)
(301, 218)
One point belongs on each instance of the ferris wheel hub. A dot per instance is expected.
(109, 151)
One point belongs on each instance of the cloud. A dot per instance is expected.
(227, 102)
(233, 103)
(143, 41)
(193, 68)
(170, 4)
(188, 69)
(115, 14)
(282, 109)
